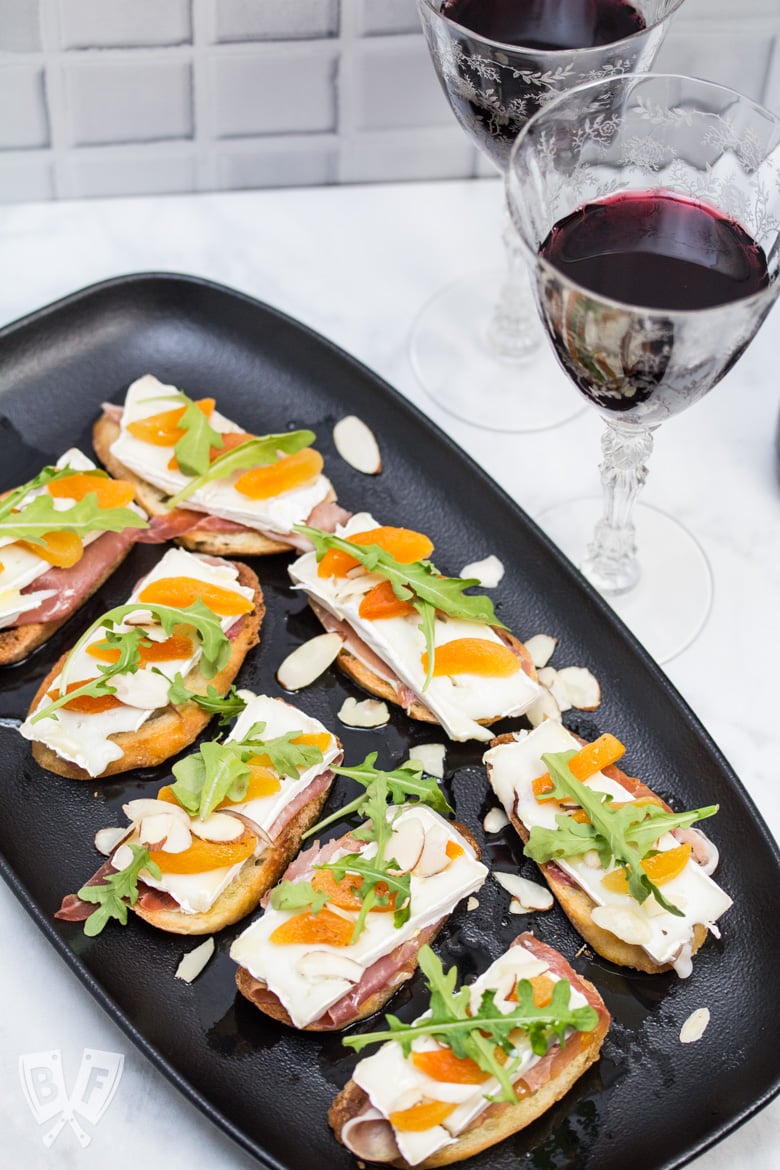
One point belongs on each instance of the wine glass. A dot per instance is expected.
(465, 347)
(649, 207)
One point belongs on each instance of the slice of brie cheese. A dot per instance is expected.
(146, 397)
(307, 997)
(457, 701)
(512, 768)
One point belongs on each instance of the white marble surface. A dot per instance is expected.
(356, 263)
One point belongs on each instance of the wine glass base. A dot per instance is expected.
(451, 357)
(669, 607)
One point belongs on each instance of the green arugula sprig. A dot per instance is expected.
(117, 891)
(220, 770)
(257, 451)
(214, 646)
(626, 834)
(33, 520)
(227, 707)
(419, 583)
(477, 1036)
(380, 878)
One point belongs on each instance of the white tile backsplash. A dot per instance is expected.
(103, 97)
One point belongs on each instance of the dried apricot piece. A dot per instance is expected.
(325, 928)
(589, 760)
(406, 545)
(180, 592)
(420, 1117)
(453, 850)
(230, 439)
(203, 855)
(660, 868)
(473, 656)
(61, 549)
(381, 602)
(85, 704)
(163, 430)
(441, 1064)
(292, 471)
(319, 739)
(342, 893)
(111, 493)
(177, 646)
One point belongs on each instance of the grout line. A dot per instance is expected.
(56, 99)
(203, 35)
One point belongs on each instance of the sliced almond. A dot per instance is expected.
(357, 445)
(528, 895)
(165, 831)
(545, 707)
(106, 840)
(217, 827)
(122, 858)
(433, 858)
(550, 678)
(364, 712)
(694, 1027)
(472, 903)
(144, 689)
(624, 922)
(406, 843)
(146, 806)
(581, 686)
(431, 756)
(495, 821)
(307, 662)
(356, 586)
(194, 961)
(488, 571)
(541, 647)
(316, 965)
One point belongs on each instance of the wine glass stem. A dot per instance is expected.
(513, 331)
(611, 562)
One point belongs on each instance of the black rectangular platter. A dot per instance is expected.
(650, 1102)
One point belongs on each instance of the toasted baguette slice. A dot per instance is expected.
(258, 992)
(381, 688)
(500, 1119)
(577, 904)
(243, 543)
(170, 729)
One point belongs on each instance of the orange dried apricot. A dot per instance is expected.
(111, 493)
(180, 592)
(420, 1117)
(342, 893)
(292, 471)
(453, 850)
(163, 430)
(62, 549)
(203, 855)
(441, 1064)
(589, 760)
(177, 646)
(381, 602)
(473, 656)
(85, 704)
(325, 928)
(660, 868)
(404, 544)
(319, 739)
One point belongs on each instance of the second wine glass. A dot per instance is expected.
(498, 62)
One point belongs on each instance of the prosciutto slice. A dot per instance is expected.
(73, 585)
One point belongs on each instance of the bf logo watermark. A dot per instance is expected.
(43, 1082)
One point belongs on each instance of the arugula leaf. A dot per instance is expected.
(40, 517)
(221, 770)
(479, 1035)
(627, 833)
(402, 784)
(226, 706)
(419, 580)
(298, 896)
(374, 872)
(193, 450)
(257, 451)
(118, 891)
(129, 644)
(214, 646)
(47, 475)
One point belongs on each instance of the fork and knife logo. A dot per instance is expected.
(43, 1083)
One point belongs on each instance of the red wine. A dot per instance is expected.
(657, 250)
(547, 24)
(660, 253)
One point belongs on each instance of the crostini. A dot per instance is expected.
(412, 636)
(343, 929)
(216, 488)
(482, 1064)
(632, 876)
(62, 534)
(201, 854)
(134, 689)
